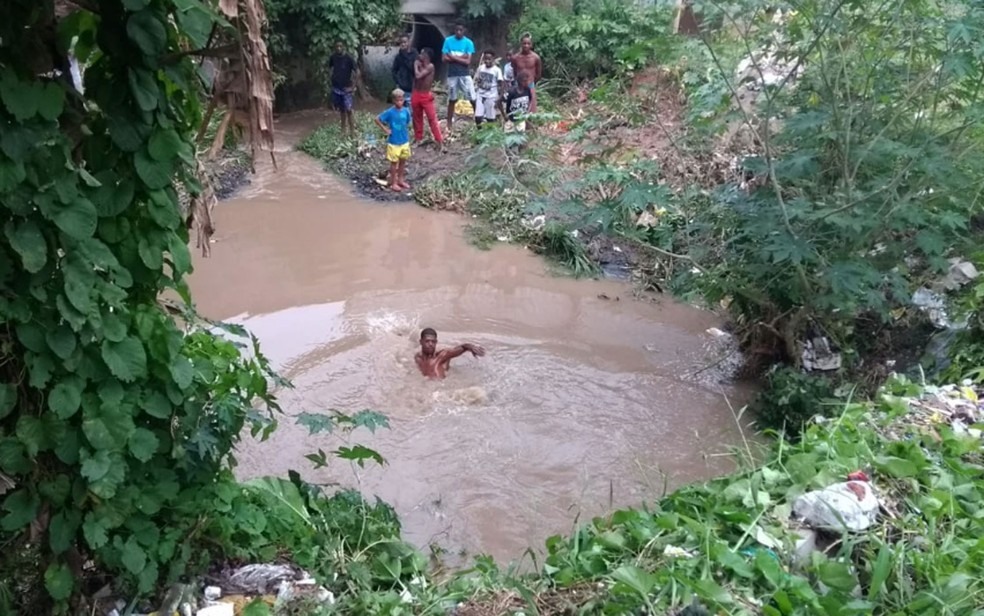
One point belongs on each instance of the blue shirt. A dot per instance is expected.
(398, 121)
(454, 46)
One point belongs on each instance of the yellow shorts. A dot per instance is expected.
(396, 153)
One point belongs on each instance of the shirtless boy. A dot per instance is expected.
(435, 364)
(528, 61)
(422, 99)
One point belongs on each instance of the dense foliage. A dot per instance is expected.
(728, 545)
(864, 186)
(117, 421)
(595, 39)
(307, 30)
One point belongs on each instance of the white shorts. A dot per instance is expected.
(485, 107)
(461, 88)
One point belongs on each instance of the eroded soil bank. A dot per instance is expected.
(587, 399)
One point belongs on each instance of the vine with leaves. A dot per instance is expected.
(117, 424)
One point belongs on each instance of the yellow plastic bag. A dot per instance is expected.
(463, 108)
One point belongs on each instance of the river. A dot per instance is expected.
(587, 399)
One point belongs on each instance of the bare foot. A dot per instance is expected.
(404, 186)
(396, 188)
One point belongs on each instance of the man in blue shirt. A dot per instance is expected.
(458, 51)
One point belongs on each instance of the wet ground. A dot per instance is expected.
(586, 401)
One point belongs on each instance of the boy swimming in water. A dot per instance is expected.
(435, 364)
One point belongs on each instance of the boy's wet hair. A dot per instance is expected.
(525, 75)
(397, 94)
(426, 51)
(428, 331)
(488, 52)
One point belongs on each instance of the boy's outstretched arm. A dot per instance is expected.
(461, 349)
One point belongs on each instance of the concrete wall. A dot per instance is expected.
(428, 7)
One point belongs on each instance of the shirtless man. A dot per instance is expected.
(527, 61)
(435, 364)
(422, 99)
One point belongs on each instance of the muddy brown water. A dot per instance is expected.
(583, 404)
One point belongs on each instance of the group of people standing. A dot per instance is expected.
(487, 89)
(508, 92)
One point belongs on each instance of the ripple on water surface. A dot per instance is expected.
(582, 403)
(509, 448)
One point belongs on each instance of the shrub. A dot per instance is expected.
(790, 398)
(595, 38)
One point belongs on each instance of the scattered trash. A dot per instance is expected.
(806, 544)
(851, 506)
(933, 304)
(537, 223)
(817, 355)
(672, 551)
(718, 333)
(212, 593)
(259, 579)
(218, 609)
(960, 274)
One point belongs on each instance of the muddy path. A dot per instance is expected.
(586, 401)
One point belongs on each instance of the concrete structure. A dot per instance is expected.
(428, 22)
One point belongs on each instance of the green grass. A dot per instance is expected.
(926, 557)
(330, 144)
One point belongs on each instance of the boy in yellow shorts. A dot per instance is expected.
(395, 122)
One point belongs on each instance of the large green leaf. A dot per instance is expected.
(11, 174)
(145, 89)
(51, 99)
(837, 575)
(126, 359)
(8, 398)
(896, 467)
(94, 530)
(13, 458)
(95, 466)
(66, 397)
(639, 580)
(164, 144)
(196, 23)
(62, 341)
(20, 98)
(112, 198)
(359, 454)
(285, 493)
(133, 556)
(28, 242)
(77, 219)
(317, 423)
(157, 405)
(147, 31)
(21, 507)
(30, 430)
(143, 444)
(155, 174)
(61, 531)
(58, 581)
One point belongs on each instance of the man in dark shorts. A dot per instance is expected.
(518, 102)
(343, 72)
(422, 99)
(434, 363)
